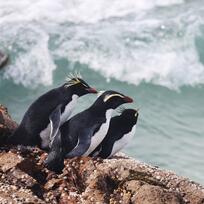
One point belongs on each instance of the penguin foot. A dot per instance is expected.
(54, 163)
(54, 168)
(57, 168)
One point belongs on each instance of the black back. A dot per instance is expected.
(36, 117)
(72, 129)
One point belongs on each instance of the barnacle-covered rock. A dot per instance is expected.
(84, 180)
(7, 125)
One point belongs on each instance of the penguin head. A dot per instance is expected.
(113, 99)
(130, 115)
(78, 86)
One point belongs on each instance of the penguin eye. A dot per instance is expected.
(107, 97)
(136, 114)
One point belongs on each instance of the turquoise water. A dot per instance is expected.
(152, 50)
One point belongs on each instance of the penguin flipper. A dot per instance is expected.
(54, 123)
(55, 158)
(82, 146)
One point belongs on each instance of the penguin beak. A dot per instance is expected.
(91, 90)
(128, 99)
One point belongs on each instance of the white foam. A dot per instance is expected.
(131, 41)
(32, 62)
(160, 51)
(88, 11)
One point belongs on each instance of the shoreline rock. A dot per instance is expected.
(7, 125)
(3, 59)
(121, 179)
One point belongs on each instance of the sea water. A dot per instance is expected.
(151, 50)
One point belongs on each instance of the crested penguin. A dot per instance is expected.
(80, 135)
(43, 118)
(121, 130)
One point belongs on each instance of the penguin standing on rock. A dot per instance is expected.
(121, 130)
(43, 118)
(85, 131)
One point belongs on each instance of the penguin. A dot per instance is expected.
(45, 115)
(121, 130)
(80, 135)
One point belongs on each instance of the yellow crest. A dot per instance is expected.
(107, 97)
(136, 114)
(72, 79)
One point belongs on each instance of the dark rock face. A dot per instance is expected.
(23, 179)
(7, 125)
(3, 59)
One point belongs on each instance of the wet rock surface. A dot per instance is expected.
(7, 125)
(24, 179)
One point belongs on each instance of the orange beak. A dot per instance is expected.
(92, 90)
(128, 99)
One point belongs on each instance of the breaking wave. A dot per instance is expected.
(155, 41)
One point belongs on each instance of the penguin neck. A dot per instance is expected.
(101, 111)
(69, 94)
(126, 123)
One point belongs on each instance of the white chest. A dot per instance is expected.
(45, 134)
(68, 109)
(45, 137)
(119, 144)
(100, 134)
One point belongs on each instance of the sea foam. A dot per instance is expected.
(131, 41)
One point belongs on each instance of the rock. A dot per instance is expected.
(7, 125)
(52, 184)
(18, 181)
(3, 59)
(86, 180)
(24, 179)
(10, 194)
(8, 161)
(156, 195)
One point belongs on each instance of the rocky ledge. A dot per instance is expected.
(3, 59)
(24, 179)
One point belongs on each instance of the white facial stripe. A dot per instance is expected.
(112, 95)
(136, 114)
(84, 85)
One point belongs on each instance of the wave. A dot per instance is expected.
(88, 11)
(131, 41)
